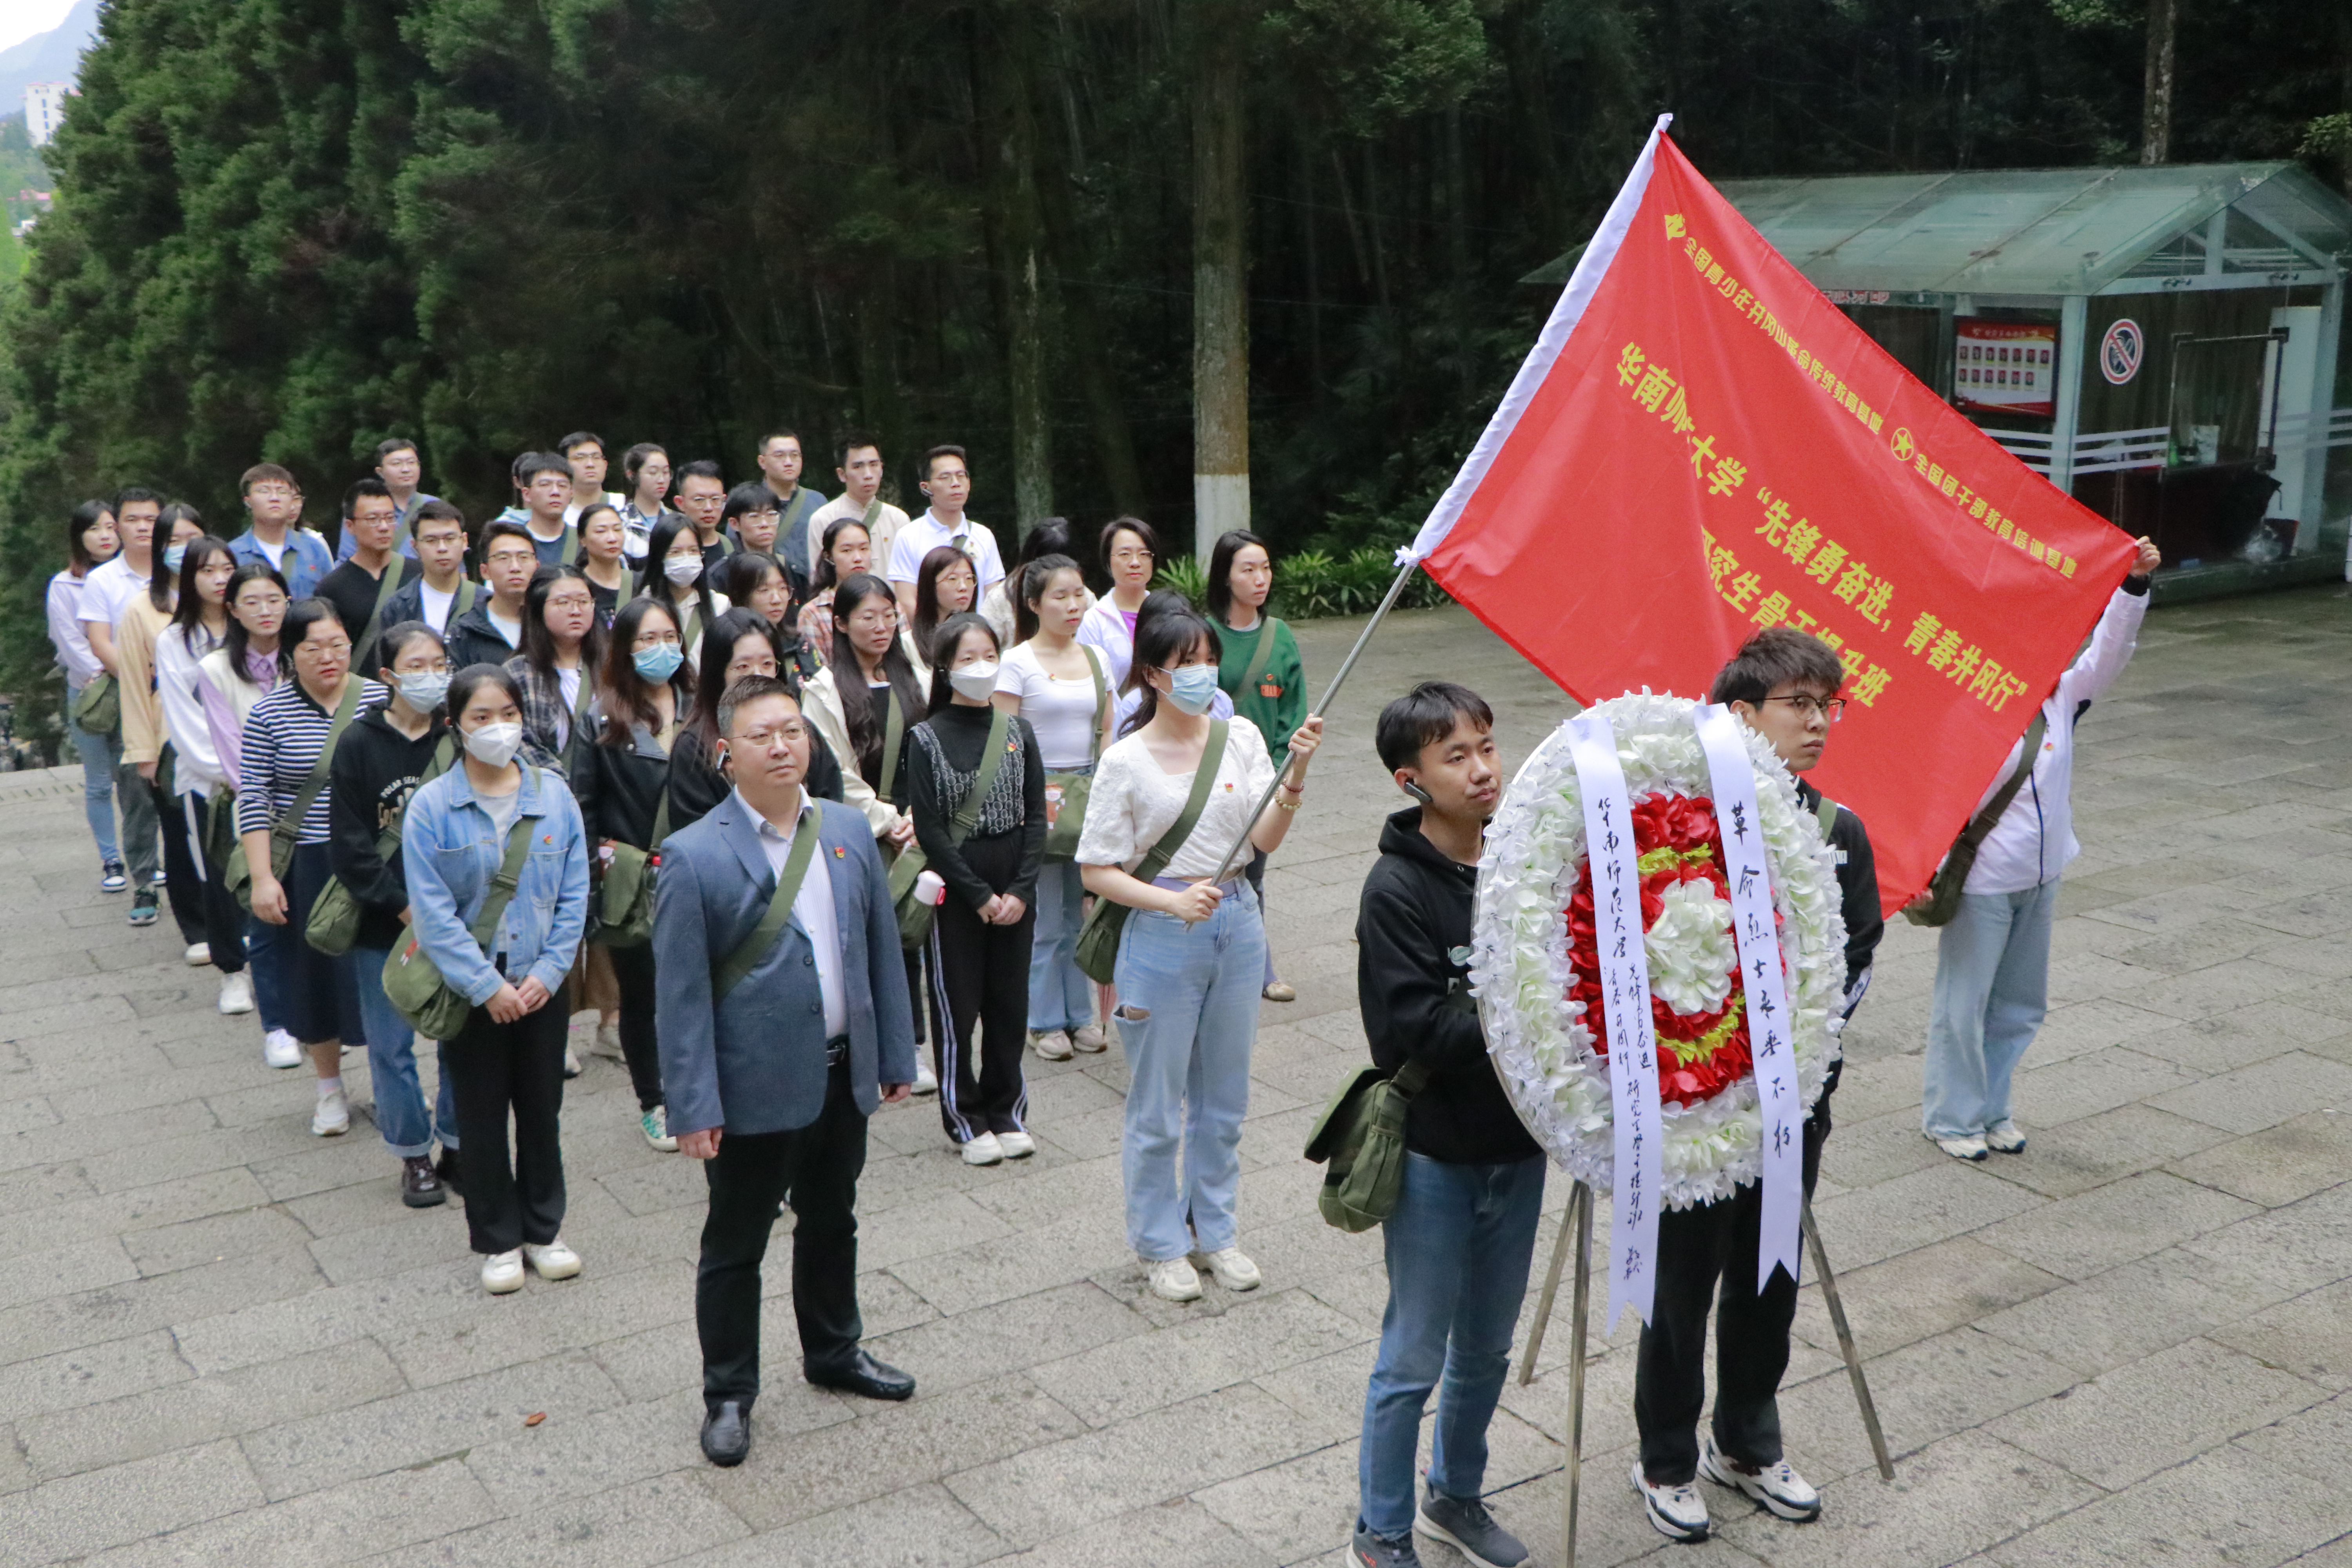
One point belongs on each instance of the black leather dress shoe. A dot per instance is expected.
(862, 1374)
(727, 1432)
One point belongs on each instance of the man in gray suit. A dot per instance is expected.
(778, 1039)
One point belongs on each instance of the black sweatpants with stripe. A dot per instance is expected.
(980, 1002)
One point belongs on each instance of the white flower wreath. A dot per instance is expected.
(1522, 976)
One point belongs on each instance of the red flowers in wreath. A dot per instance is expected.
(1702, 1054)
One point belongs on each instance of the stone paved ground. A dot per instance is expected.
(223, 1341)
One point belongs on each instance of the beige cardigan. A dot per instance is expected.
(144, 734)
(820, 701)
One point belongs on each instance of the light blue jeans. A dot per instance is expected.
(1188, 1063)
(1458, 1244)
(101, 756)
(392, 1068)
(1992, 988)
(1060, 995)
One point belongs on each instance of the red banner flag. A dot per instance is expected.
(1701, 445)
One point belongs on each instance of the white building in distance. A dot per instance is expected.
(44, 110)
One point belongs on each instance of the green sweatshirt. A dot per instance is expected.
(1277, 701)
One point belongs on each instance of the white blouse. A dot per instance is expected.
(1134, 801)
(1060, 709)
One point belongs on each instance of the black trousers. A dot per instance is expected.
(494, 1069)
(183, 888)
(633, 971)
(1699, 1250)
(185, 821)
(815, 1168)
(981, 998)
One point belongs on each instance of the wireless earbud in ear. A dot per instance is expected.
(1415, 790)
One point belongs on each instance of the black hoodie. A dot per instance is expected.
(1415, 913)
(376, 770)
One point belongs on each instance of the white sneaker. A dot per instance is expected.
(1090, 1039)
(502, 1272)
(236, 992)
(1232, 1268)
(926, 1080)
(333, 1119)
(1016, 1145)
(1969, 1146)
(571, 1062)
(983, 1150)
(2005, 1137)
(199, 955)
(608, 1042)
(1172, 1280)
(1776, 1487)
(553, 1261)
(655, 1125)
(1678, 1513)
(281, 1049)
(1053, 1045)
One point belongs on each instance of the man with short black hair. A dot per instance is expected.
(491, 632)
(780, 462)
(857, 459)
(363, 588)
(545, 482)
(783, 1018)
(702, 497)
(947, 480)
(1784, 683)
(274, 537)
(442, 592)
(1462, 1235)
(401, 471)
(585, 451)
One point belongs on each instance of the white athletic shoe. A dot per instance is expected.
(281, 1049)
(333, 1119)
(553, 1261)
(502, 1272)
(926, 1080)
(199, 955)
(1678, 1513)
(983, 1150)
(1172, 1280)
(655, 1125)
(235, 993)
(1053, 1045)
(1232, 1268)
(1776, 1487)
(2005, 1137)
(571, 1062)
(1016, 1145)
(1969, 1146)
(1090, 1039)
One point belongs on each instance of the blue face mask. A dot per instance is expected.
(1193, 687)
(659, 662)
(173, 554)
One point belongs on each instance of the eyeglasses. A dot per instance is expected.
(791, 729)
(572, 602)
(1135, 554)
(510, 557)
(1808, 705)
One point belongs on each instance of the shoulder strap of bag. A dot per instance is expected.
(1826, 814)
(1261, 655)
(571, 545)
(1411, 1078)
(502, 886)
(661, 820)
(1975, 833)
(992, 762)
(579, 715)
(1204, 778)
(894, 733)
(317, 780)
(461, 601)
(753, 949)
(385, 587)
(1102, 693)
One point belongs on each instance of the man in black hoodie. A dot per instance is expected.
(1460, 1240)
(1784, 684)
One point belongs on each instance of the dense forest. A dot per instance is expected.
(286, 228)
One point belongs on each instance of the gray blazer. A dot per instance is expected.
(755, 1062)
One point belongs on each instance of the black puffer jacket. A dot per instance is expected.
(1415, 913)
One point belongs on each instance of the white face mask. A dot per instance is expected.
(424, 688)
(495, 745)
(682, 568)
(977, 681)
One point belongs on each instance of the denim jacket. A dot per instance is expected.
(449, 853)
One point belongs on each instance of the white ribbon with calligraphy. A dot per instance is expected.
(1632, 1044)
(1747, 867)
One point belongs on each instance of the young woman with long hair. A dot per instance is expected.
(756, 580)
(288, 735)
(622, 782)
(1060, 687)
(90, 542)
(645, 467)
(199, 625)
(384, 759)
(146, 740)
(847, 550)
(676, 575)
(562, 649)
(507, 1058)
(1259, 669)
(945, 586)
(739, 643)
(979, 949)
(1001, 604)
(603, 559)
(1192, 956)
(1129, 554)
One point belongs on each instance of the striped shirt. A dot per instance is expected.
(283, 737)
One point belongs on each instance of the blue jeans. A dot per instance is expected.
(1992, 988)
(1060, 996)
(1188, 1016)
(392, 1068)
(101, 756)
(1458, 1245)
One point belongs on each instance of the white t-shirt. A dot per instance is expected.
(1061, 709)
(276, 552)
(568, 682)
(1133, 802)
(511, 630)
(437, 603)
(923, 535)
(109, 586)
(887, 521)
